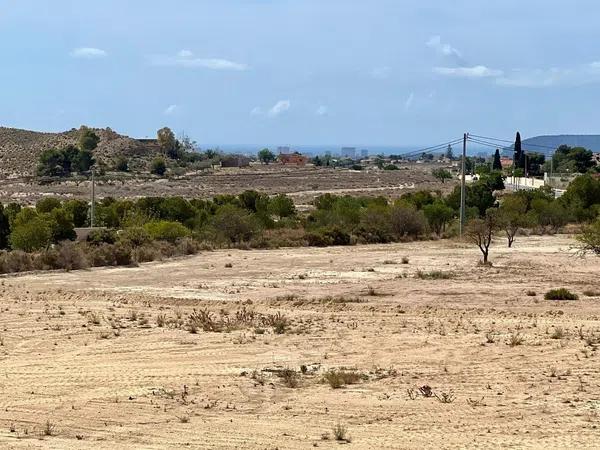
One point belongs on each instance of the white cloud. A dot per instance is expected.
(444, 49)
(279, 108)
(256, 111)
(185, 58)
(381, 73)
(321, 110)
(170, 110)
(409, 101)
(88, 52)
(468, 72)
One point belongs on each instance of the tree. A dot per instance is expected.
(519, 156)
(449, 153)
(481, 232)
(441, 174)
(82, 161)
(30, 231)
(53, 163)
(282, 206)
(590, 238)
(512, 216)
(266, 156)
(4, 228)
(234, 224)
(158, 166)
(438, 215)
(47, 204)
(168, 143)
(88, 139)
(497, 164)
(573, 160)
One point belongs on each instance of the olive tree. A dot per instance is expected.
(481, 232)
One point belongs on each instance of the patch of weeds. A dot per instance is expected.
(338, 378)
(560, 294)
(340, 433)
(405, 260)
(515, 339)
(558, 333)
(590, 293)
(289, 377)
(434, 275)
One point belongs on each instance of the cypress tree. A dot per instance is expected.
(519, 158)
(497, 165)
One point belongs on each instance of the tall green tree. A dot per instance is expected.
(168, 143)
(266, 156)
(519, 156)
(497, 164)
(88, 139)
(4, 228)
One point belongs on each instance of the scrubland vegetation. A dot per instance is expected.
(134, 231)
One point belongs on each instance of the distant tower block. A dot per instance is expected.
(348, 152)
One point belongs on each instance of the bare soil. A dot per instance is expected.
(84, 362)
(302, 183)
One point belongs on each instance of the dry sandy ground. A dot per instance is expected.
(84, 363)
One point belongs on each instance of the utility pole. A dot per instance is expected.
(462, 185)
(93, 208)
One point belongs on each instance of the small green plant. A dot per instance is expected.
(340, 433)
(560, 294)
(558, 333)
(515, 339)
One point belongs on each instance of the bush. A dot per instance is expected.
(71, 256)
(15, 261)
(560, 294)
(134, 236)
(166, 231)
(102, 236)
(234, 224)
(328, 236)
(407, 221)
(158, 166)
(47, 204)
(30, 231)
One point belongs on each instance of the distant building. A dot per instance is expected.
(364, 153)
(348, 152)
(292, 159)
(283, 149)
(235, 161)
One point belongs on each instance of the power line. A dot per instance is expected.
(510, 142)
(432, 148)
(495, 145)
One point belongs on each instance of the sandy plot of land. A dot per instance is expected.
(84, 362)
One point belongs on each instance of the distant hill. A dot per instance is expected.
(547, 144)
(20, 149)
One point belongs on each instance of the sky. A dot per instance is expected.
(292, 72)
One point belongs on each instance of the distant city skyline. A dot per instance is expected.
(411, 72)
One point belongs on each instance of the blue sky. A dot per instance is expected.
(385, 72)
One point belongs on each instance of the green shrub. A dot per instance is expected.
(134, 236)
(30, 231)
(158, 166)
(328, 236)
(47, 204)
(164, 230)
(560, 294)
(102, 236)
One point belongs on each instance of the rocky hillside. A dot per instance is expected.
(20, 149)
